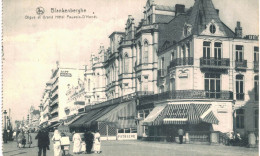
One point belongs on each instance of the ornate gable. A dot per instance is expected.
(213, 29)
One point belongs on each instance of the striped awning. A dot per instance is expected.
(149, 120)
(123, 116)
(186, 113)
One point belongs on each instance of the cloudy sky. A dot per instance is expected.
(31, 47)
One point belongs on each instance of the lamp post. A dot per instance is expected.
(5, 119)
(5, 131)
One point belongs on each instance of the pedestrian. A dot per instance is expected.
(76, 143)
(180, 133)
(21, 139)
(16, 137)
(97, 143)
(43, 141)
(5, 136)
(89, 141)
(56, 143)
(29, 138)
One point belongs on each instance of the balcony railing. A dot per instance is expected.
(144, 93)
(214, 62)
(256, 66)
(242, 64)
(181, 62)
(192, 94)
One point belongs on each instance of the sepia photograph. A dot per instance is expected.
(130, 78)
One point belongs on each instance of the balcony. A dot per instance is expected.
(256, 66)
(144, 93)
(181, 62)
(192, 94)
(215, 63)
(241, 64)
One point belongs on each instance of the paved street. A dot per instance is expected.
(141, 148)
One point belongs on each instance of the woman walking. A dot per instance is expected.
(56, 143)
(97, 143)
(77, 143)
(21, 140)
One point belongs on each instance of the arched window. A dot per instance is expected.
(240, 87)
(256, 87)
(126, 64)
(88, 84)
(145, 52)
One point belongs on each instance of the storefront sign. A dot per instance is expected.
(222, 107)
(65, 73)
(127, 136)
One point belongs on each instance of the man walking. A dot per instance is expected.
(180, 132)
(89, 137)
(43, 141)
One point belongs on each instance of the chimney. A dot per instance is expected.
(238, 30)
(179, 9)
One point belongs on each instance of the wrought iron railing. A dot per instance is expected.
(181, 62)
(214, 62)
(241, 64)
(192, 94)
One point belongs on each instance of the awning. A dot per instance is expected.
(79, 102)
(55, 125)
(72, 120)
(149, 120)
(52, 124)
(187, 113)
(87, 120)
(122, 116)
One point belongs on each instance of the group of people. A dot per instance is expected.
(22, 138)
(91, 142)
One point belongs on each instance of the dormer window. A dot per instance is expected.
(212, 28)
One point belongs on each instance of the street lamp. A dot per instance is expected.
(5, 119)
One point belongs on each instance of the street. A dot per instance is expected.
(142, 148)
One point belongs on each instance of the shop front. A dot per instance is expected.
(164, 121)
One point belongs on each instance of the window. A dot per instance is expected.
(239, 53)
(140, 53)
(126, 64)
(256, 119)
(240, 87)
(172, 84)
(172, 56)
(212, 85)
(256, 54)
(217, 50)
(212, 28)
(88, 84)
(188, 49)
(240, 118)
(145, 52)
(206, 52)
(256, 88)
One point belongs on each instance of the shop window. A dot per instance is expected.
(240, 118)
(256, 88)
(133, 130)
(239, 53)
(121, 131)
(240, 87)
(256, 119)
(212, 85)
(127, 130)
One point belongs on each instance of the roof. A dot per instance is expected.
(165, 8)
(163, 18)
(198, 17)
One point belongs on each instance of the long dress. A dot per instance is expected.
(56, 145)
(77, 143)
(97, 143)
(20, 140)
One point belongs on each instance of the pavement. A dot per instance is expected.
(141, 148)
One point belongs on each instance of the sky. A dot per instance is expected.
(32, 46)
